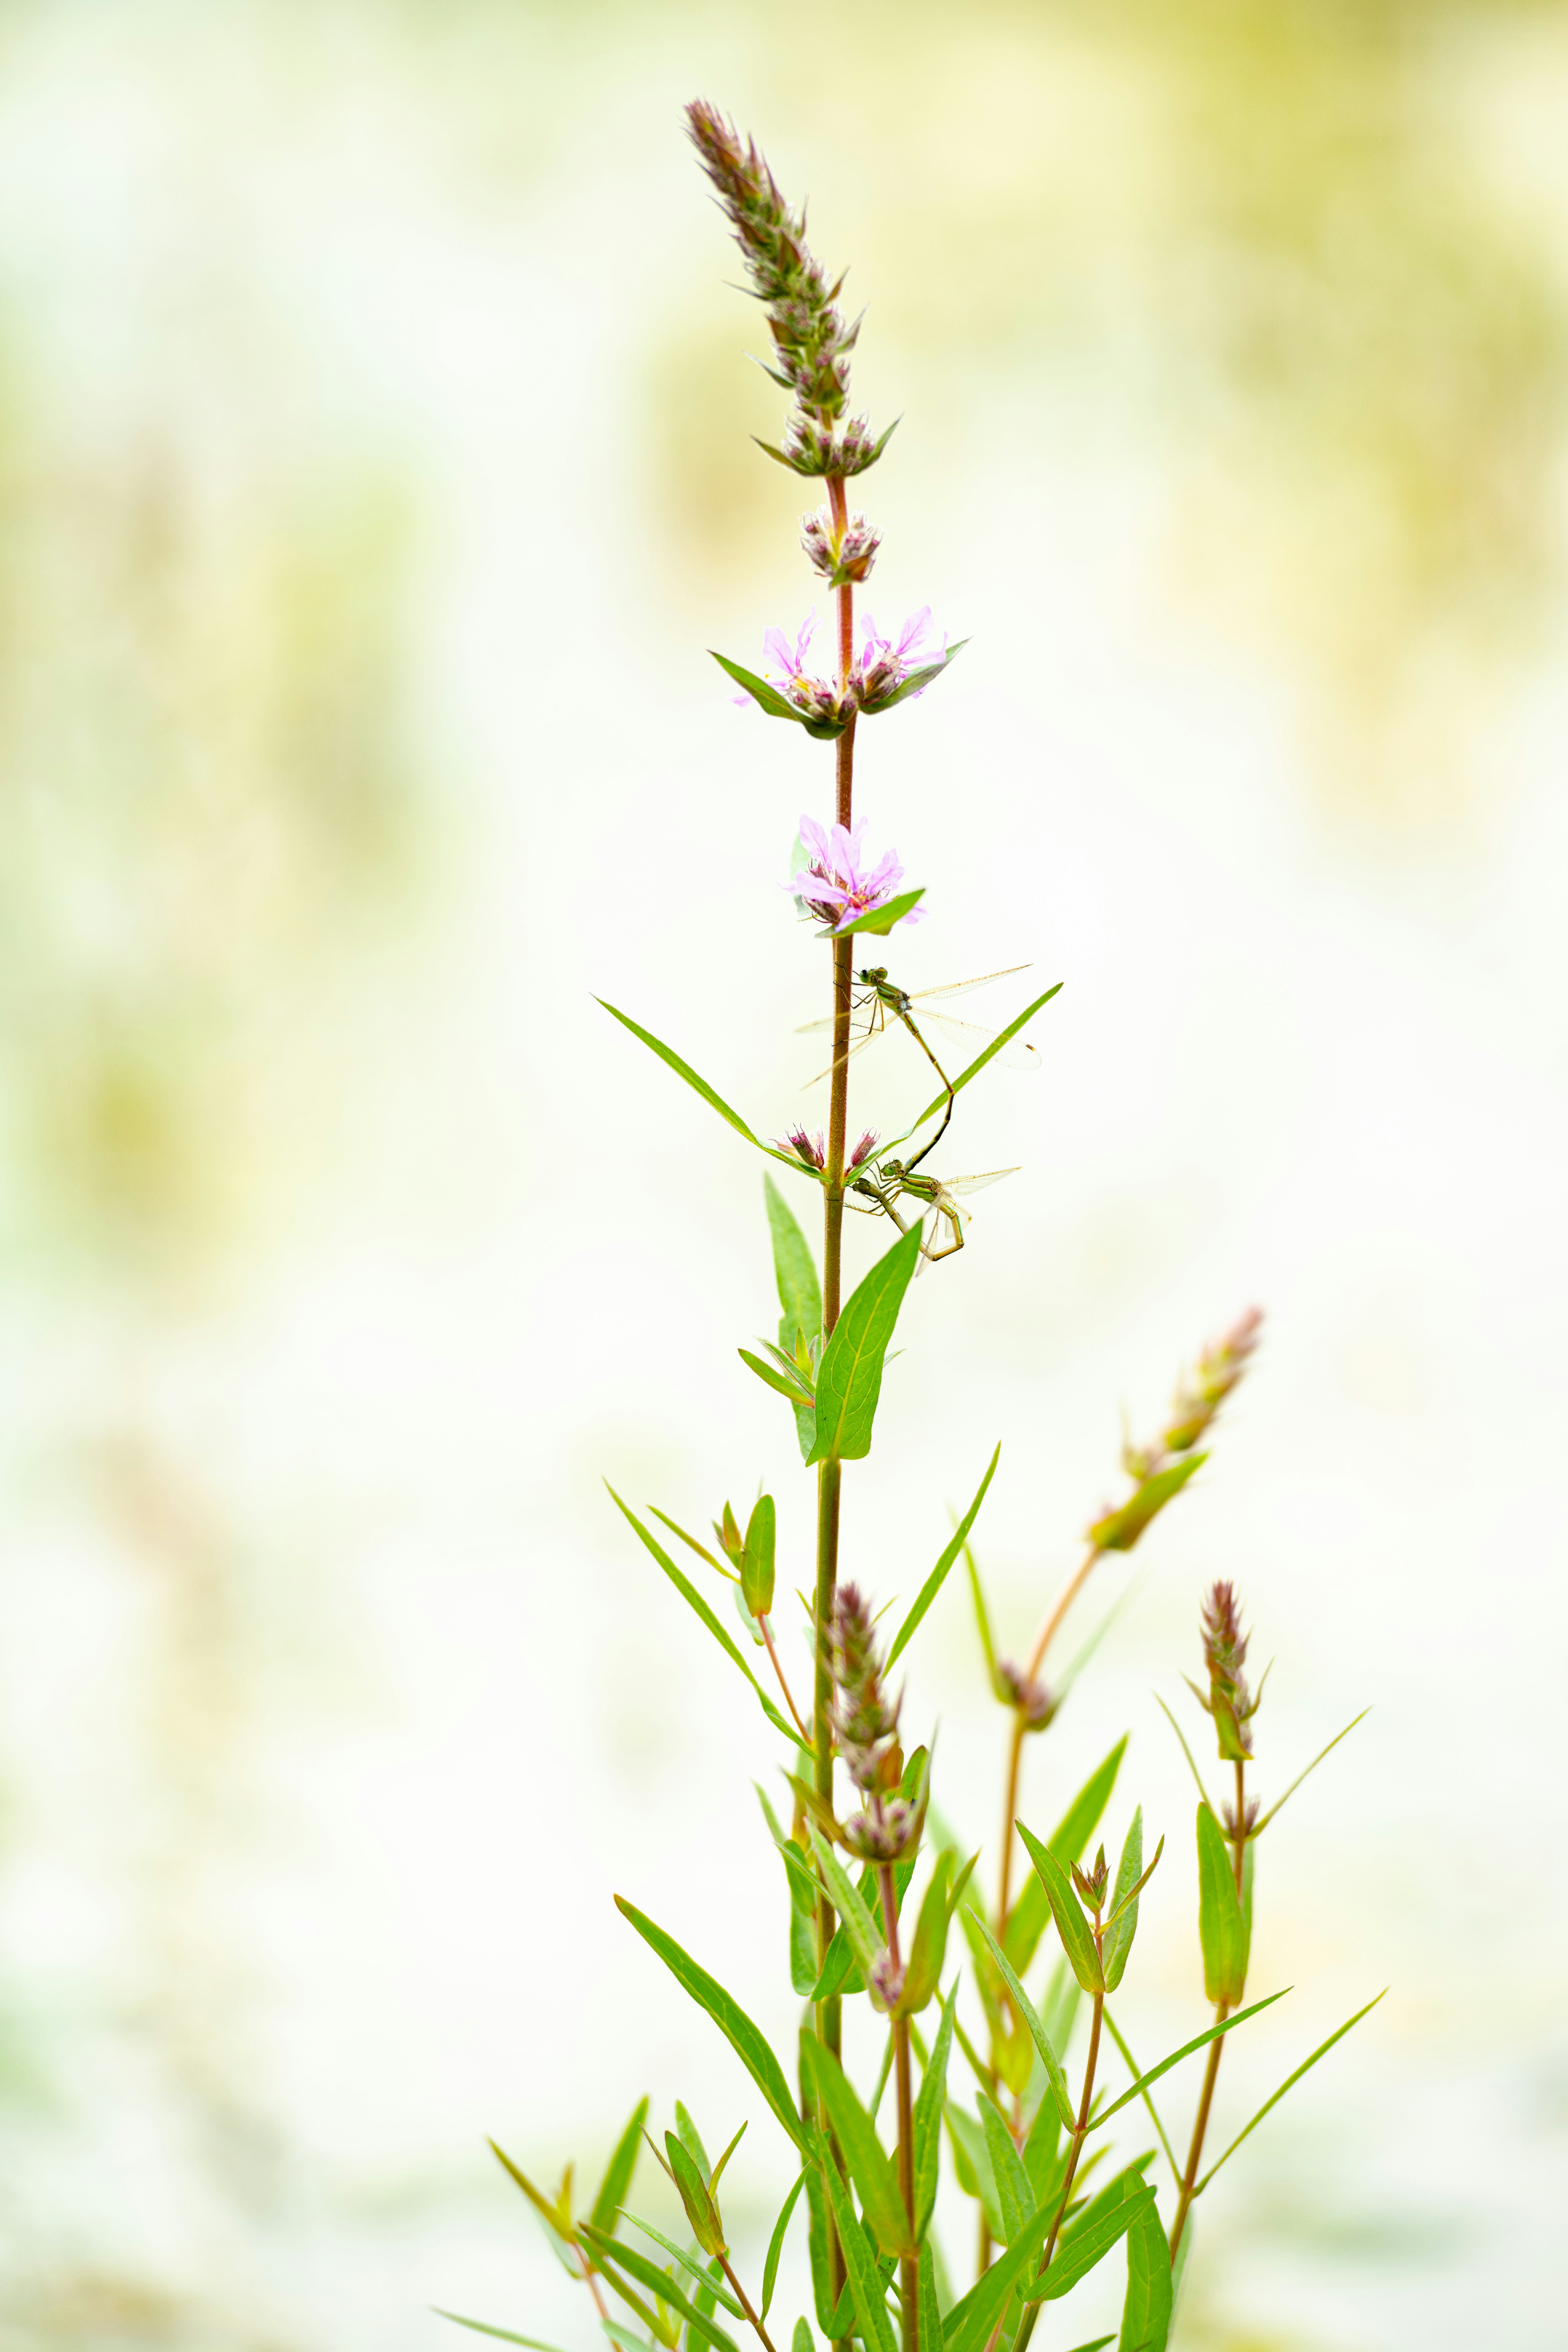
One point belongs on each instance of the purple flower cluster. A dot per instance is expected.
(883, 665)
(840, 881)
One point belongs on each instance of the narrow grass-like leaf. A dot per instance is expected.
(1072, 1926)
(1089, 2244)
(882, 919)
(1036, 2028)
(865, 2279)
(982, 1618)
(1120, 1529)
(1222, 1930)
(971, 2163)
(1026, 1920)
(927, 2119)
(482, 2327)
(757, 1558)
(535, 2196)
(1312, 1767)
(784, 1384)
(1004, 1037)
(938, 1576)
(1146, 2312)
(1040, 2149)
(744, 2038)
(817, 2236)
(1186, 1751)
(775, 2245)
(1117, 1944)
(1288, 2084)
(625, 2341)
(1014, 2193)
(699, 2270)
(847, 1901)
(1130, 2063)
(927, 2304)
(699, 1086)
(870, 2167)
(971, 2321)
(928, 1948)
(1127, 2183)
(795, 1271)
(849, 1377)
(617, 2179)
(1135, 2090)
(660, 2283)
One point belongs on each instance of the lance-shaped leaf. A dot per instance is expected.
(1040, 2149)
(938, 1576)
(744, 2038)
(915, 683)
(1003, 1037)
(701, 2209)
(1055, 2078)
(482, 2327)
(818, 2234)
(971, 2163)
(695, 1601)
(616, 2186)
(698, 2271)
(1014, 2194)
(1312, 1767)
(1025, 1921)
(983, 1621)
(858, 1925)
(971, 2321)
(775, 2245)
(803, 2341)
(1290, 2081)
(849, 1377)
(1126, 2183)
(1199, 2041)
(662, 2284)
(927, 2304)
(1222, 1930)
(1119, 1531)
(1122, 1924)
(667, 1054)
(1130, 2063)
(880, 919)
(1090, 2245)
(1146, 2312)
(929, 1950)
(871, 2169)
(757, 1559)
(865, 2280)
(794, 1272)
(927, 2119)
(555, 2217)
(1072, 1926)
(768, 697)
(785, 1379)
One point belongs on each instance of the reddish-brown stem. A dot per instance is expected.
(1026, 2327)
(910, 2264)
(744, 2300)
(1043, 1640)
(592, 2285)
(789, 1702)
(1222, 2011)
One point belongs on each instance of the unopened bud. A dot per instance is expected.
(842, 557)
(886, 1981)
(1035, 1703)
(1092, 1883)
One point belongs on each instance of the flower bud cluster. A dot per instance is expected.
(1200, 1396)
(1092, 1883)
(865, 1726)
(1034, 1702)
(811, 446)
(1230, 1702)
(842, 557)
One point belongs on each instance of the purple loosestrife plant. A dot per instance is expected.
(875, 1880)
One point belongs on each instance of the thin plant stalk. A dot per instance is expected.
(1080, 2132)
(1043, 1640)
(1211, 2072)
(909, 2267)
(744, 2300)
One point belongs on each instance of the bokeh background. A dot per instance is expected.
(374, 470)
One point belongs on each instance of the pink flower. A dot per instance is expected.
(886, 662)
(785, 671)
(864, 1149)
(838, 880)
(810, 1150)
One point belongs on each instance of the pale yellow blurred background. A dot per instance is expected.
(374, 471)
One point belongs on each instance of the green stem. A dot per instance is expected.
(1026, 2325)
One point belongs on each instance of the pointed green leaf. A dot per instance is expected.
(768, 698)
(880, 919)
(1130, 2063)
(795, 1271)
(858, 1925)
(804, 2340)
(695, 2195)
(757, 1559)
(971, 2321)
(1288, 2084)
(927, 2304)
(817, 2239)
(927, 2119)
(935, 1581)
(871, 2169)
(865, 2280)
(617, 2183)
(915, 683)
(1146, 2312)
(1025, 1921)
(737, 2028)
(695, 1601)
(928, 1948)
(1198, 2041)
(698, 2271)
(1126, 2183)
(1078, 1942)
(1040, 2158)
(1117, 1945)
(1004, 1037)
(699, 1086)
(541, 2203)
(1119, 1531)
(849, 1377)
(783, 1383)
(1015, 2196)
(1035, 2029)
(1311, 1768)
(481, 2328)
(661, 2284)
(971, 2163)
(982, 1619)
(1222, 1930)
(775, 2245)
(1088, 2245)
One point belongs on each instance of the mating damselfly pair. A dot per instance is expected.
(878, 1006)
